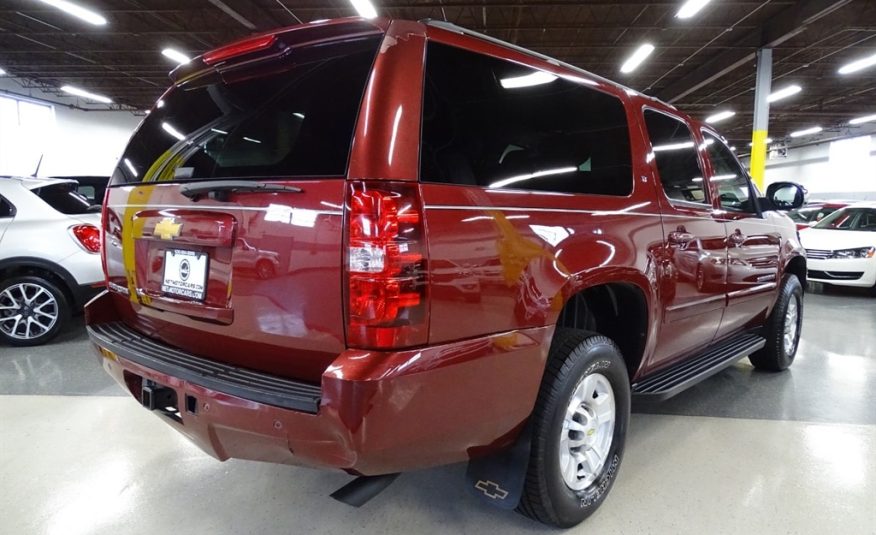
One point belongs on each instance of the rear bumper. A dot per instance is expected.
(373, 413)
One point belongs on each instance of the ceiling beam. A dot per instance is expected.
(788, 23)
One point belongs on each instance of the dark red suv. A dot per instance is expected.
(470, 252)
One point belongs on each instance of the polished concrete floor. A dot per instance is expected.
(744, 452)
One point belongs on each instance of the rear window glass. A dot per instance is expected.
(296, 119)
(65, 199)
(493, 123)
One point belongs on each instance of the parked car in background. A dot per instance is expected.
(49, 261)
(486, 255)
(841, 248)
(90, 187)
(814, 212)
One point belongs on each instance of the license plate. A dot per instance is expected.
(185, 273)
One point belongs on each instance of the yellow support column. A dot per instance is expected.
(761, 115)
(758, 157)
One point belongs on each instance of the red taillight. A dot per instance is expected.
(88, 237)
(246, 46)
(386, 266)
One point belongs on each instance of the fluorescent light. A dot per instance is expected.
(858, 65)
(864, 119)
(223, 132)
(720, 116)
(724, 177)
(527, 80)
(176, 56)
(673, 146)
(365, 8)
(251, 140)
(77, 11)
(637, 58)
(784, 93)
(85, 94)
(130, 167)
(806, 132)
(172, 131)
(690, 8)
(521, 178)
(768, 141)
(733, 148)
(299, 115)
(2, 72)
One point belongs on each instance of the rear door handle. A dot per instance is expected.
(680, 238)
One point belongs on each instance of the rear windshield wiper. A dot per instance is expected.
(219, 189)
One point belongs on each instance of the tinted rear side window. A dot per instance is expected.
(65, 199)
(5, 208)
(675, 153)
(296, 119)
(493, 123)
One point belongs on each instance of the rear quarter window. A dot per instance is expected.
(65, 199)
(496, 124)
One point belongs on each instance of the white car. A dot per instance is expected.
(49, 261)
(841, 248)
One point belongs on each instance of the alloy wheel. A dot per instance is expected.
(27, 311)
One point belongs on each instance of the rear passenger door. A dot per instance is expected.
(694, 248)
(752, 242)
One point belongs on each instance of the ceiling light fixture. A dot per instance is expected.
(720, 116)
(167, 127)
(527, 80)
(864, 119)
(691, 8)
(858, 65)
(79, 12)
(365, 8)
(176, 56)
(785, 92)
(85, 94)
(806, 132)
(637, 58)
(2, 72)
(767, 141)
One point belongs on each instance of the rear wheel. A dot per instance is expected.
(782, 331)
(33, 310)
(579, 427)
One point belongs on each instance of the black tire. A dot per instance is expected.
(61, 310)
(574, 354)
(774, 356)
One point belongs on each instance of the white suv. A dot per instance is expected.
(49, 261)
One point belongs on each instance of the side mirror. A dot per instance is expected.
(786, 195)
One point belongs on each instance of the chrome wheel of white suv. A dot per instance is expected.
(32, 310)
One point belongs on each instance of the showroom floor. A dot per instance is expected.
(744, 452)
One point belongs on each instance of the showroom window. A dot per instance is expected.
(296, 121)
(26, 128)
(675, 154)
(497, 124)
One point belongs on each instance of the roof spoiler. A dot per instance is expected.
(276, 44)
